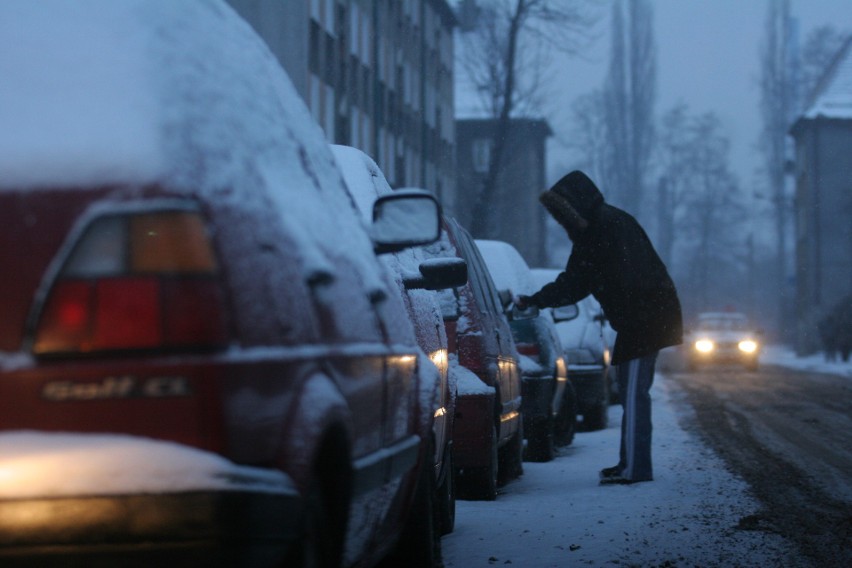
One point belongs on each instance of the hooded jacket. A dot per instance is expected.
(612, 259)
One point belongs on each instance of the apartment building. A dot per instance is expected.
(823, 202)
(376, 74)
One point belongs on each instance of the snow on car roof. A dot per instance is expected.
(507, 267)
(185, 94)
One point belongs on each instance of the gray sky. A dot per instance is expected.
(708, 55)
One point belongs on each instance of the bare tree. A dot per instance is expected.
(778, 93)
(710, 213)
(629, 96)
(674, 151)
(702, 229)
(505, 61)
(589, 134)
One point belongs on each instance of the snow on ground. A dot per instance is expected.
(785, 357)
(557, 515)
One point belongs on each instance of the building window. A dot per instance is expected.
(314, 48)
(481, 155)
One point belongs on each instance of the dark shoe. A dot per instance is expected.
(610, 471)
(620, 480)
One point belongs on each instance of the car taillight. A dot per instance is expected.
(138, 281)
(529, 349)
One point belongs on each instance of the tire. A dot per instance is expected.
(614, 395)
(480, 483)
(319, 547)
(511, 457)
(597, 417)
(446, 496)
(565, 425)
(419, 544)
(540, 445)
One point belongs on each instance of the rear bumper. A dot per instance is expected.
(206, 528)
(722, 356)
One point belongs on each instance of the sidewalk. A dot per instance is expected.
(557, 515)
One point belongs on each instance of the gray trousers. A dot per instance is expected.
(635, 378)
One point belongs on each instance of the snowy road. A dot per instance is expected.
(787, 433)
(695, 513)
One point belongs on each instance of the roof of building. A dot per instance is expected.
(832, 97)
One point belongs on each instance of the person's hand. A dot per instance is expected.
(522, 302)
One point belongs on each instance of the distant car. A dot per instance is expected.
(582, 331)
(416, 279)
(549, 401)
(488, 428)
(202, 361)
(722, 338)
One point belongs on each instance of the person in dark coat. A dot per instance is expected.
(613, 259)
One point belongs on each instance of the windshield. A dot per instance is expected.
(723, 323)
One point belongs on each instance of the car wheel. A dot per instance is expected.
(597, 417)
(614, 395)
(511, 458)
(480, 483)
(566, 421)
(447, 497)
(318, 547)
(419, 544)
(540, 440)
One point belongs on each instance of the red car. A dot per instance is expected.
(488, 431)
(202, 361)
(416, 278)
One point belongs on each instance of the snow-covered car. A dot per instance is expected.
(488, 427)
(202, 360)
(549, 402)
(417, 278)
(582, 329)
(722, 338)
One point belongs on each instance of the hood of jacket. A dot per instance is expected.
(573, 196)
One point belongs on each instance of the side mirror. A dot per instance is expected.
(438, 274)
(566, 313)
(405, 219)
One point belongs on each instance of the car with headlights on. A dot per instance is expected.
(202, 359)
(722, 338)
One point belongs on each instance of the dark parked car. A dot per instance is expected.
(417, 278)
(488, 428)
(549, 402)
(584, 331)
(202, 361)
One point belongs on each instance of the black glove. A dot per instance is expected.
(523, 302)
